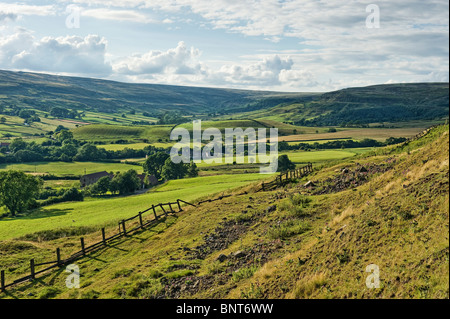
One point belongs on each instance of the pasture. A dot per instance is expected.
(135, 133)
(100, 212)
(70, 168)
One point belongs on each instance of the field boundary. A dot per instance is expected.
(139, 224)
(289, 176)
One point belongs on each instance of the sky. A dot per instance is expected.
(270, 45)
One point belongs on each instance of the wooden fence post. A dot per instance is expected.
(170, 206)
(32, 269)
(161, 205)
(82, 246)
(154, 212)
(263, 187)
(179, 206)
(123, 228)
(2, 280)
(103, 236)
(58, 256)
(140, 220)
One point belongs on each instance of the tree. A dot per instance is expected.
(170, 170)
(2, 120)
(25, 114)
(101, 186)
(114, 186)
(126, 182)
(89, 152)
(154, 163)
(192, 170)
(18, 190)
(17, 144)
(60, 128)
(64, 135)
(284, 163)
(72, 194)
(23, 156)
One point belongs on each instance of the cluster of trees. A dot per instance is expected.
(161, 166)
(171, 117)
(119, 183)
(61, 112)
(65, 148)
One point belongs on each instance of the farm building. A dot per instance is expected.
(90, 179)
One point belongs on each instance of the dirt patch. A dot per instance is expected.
(226, 233)
(350, 177)
(257, 256)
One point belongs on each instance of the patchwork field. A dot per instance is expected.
(380, 134)
(71, 168)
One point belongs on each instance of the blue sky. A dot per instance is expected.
(279, 45)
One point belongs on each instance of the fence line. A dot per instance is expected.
(123, 232)
(280, 180)
(286, 177)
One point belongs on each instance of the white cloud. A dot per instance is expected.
(25, 9)
(68, 54)
(117, 15)
(179, 60)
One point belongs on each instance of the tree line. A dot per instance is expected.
(63, 147)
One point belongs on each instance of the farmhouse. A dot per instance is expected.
(152, 180)
(90, 179)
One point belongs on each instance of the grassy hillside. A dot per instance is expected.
(388, 208)
(98, 98)
(43, 91)
(364, 105)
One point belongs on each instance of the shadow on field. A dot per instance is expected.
(44, 213)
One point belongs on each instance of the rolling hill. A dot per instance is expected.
(364, 105)
(43, 91)
(360, 105)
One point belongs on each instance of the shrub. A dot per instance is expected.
(244, 273)
(288, 229)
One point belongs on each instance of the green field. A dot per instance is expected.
(302, 157)
(72, 168)
(105, 132)
(380, 134)
(99, 212)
